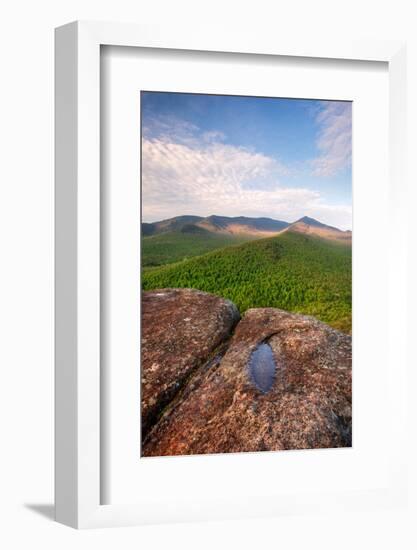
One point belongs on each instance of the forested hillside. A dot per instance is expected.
(190, 241)
(292, 271)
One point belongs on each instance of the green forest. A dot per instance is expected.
(166, 248)
(291, 271)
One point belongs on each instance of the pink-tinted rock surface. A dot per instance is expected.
(221, 409)
(180, 330)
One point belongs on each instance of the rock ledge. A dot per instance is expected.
(180, 330)
(220, 409)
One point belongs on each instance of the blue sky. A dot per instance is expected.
(230, 155)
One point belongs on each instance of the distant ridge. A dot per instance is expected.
(310, 226)
(244, 226)
(240, 225)
(171, 224)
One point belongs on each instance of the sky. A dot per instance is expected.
(246, 156)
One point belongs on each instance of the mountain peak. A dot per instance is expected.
(310, 221)
(310, 226)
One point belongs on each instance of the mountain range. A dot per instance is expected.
(245, 227)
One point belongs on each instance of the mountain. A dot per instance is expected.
(183, 237)
(171, 224)
(244, 226)
(241, 225)
(310, 226)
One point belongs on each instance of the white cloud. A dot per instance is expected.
(170, 128)
(213, 136)
(334, 139)
(205, 176)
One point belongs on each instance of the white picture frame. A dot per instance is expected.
(78, 406)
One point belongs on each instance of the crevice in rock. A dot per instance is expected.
(344, 425)
(190, 382)
(212, 360)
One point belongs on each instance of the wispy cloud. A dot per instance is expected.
(213, 136)
(334, 138)
(187, 172)
(170, 128)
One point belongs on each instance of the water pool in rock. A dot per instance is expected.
(262, 367)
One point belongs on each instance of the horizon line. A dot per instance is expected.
(248, 217)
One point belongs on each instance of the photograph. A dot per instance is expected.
(246, 274)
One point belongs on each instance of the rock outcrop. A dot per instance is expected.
(239, 402)
(181, 328)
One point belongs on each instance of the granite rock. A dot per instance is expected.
(221, 409)
(181, 328)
